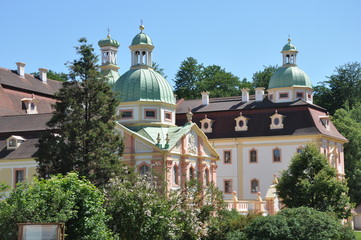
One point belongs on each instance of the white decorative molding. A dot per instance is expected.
(241, 123)
(276, 121)
(206, 124)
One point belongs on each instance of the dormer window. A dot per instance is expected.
(325, 120)
(30, 105)
(241, 123)
(206, 124)
(13, 142)
(276, 121)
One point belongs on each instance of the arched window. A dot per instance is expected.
(176, 175)
(191, 173)
(253, 156)
(276, 155)
(254, 186)
(206, 176)
(144, 170)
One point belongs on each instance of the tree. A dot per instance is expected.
(309, 181)
(67, 199)
(139, 211)
(261, 78)
(323, 96)
(218, 82)
(84, 120)
(158, 69)
(246, 84)
(188, 75)
(58, 76)
(297, 224)
(348, 123)
(344, 84)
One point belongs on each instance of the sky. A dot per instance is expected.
(240, 36)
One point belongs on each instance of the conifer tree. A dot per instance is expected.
(81, 133)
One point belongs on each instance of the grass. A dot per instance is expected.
(358, 235)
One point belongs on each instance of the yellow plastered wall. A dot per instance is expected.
(6, 176)
(31, 173)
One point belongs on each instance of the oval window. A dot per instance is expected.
(276, 121)
(205, 125)
(241, 123)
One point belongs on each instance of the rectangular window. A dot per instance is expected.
(227, 186)
(19, 175)
(227, 157)
(254, 186)
(253, 156)
(168, 116)
(150, 113)
(276, 155)
(309, 96)
(126, 114)
(283, 95)
(299, 95)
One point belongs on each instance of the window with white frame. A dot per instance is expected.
(276, 121)
(276, 155)
(241, 123)
(206, 124)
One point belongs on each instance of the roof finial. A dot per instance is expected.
(108, 36)
(289, 38)
(141, 27)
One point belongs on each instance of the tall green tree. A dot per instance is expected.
(348, 123)
(186, 79)
(218, 82)
(310, 181)
(344, 85)
(64, 199)
(262, 78)
(84, 121)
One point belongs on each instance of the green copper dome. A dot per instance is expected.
(289, 46)
(289, 76)
(143, 85)
(108, 42)
(142, 39)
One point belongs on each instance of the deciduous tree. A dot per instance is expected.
(310, 181)
(64, 199)
(261, 78)
(348, 123)
(186, 79)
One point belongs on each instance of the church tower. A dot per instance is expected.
(146, 98)
(109, 67)
(290, 83)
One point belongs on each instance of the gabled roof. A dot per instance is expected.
(26, 150)
(150, 135)
(28, 83)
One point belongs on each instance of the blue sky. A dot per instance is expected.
(241, 36)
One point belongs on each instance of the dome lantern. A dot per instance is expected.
(109, 50)
(289, 53)
(141, 50)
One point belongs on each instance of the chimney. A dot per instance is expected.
(43, 74)
(245, 94)
(259, 94)
(21, 69)
(205, 98)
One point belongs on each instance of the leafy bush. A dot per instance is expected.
(64, 199)
(298, 224)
